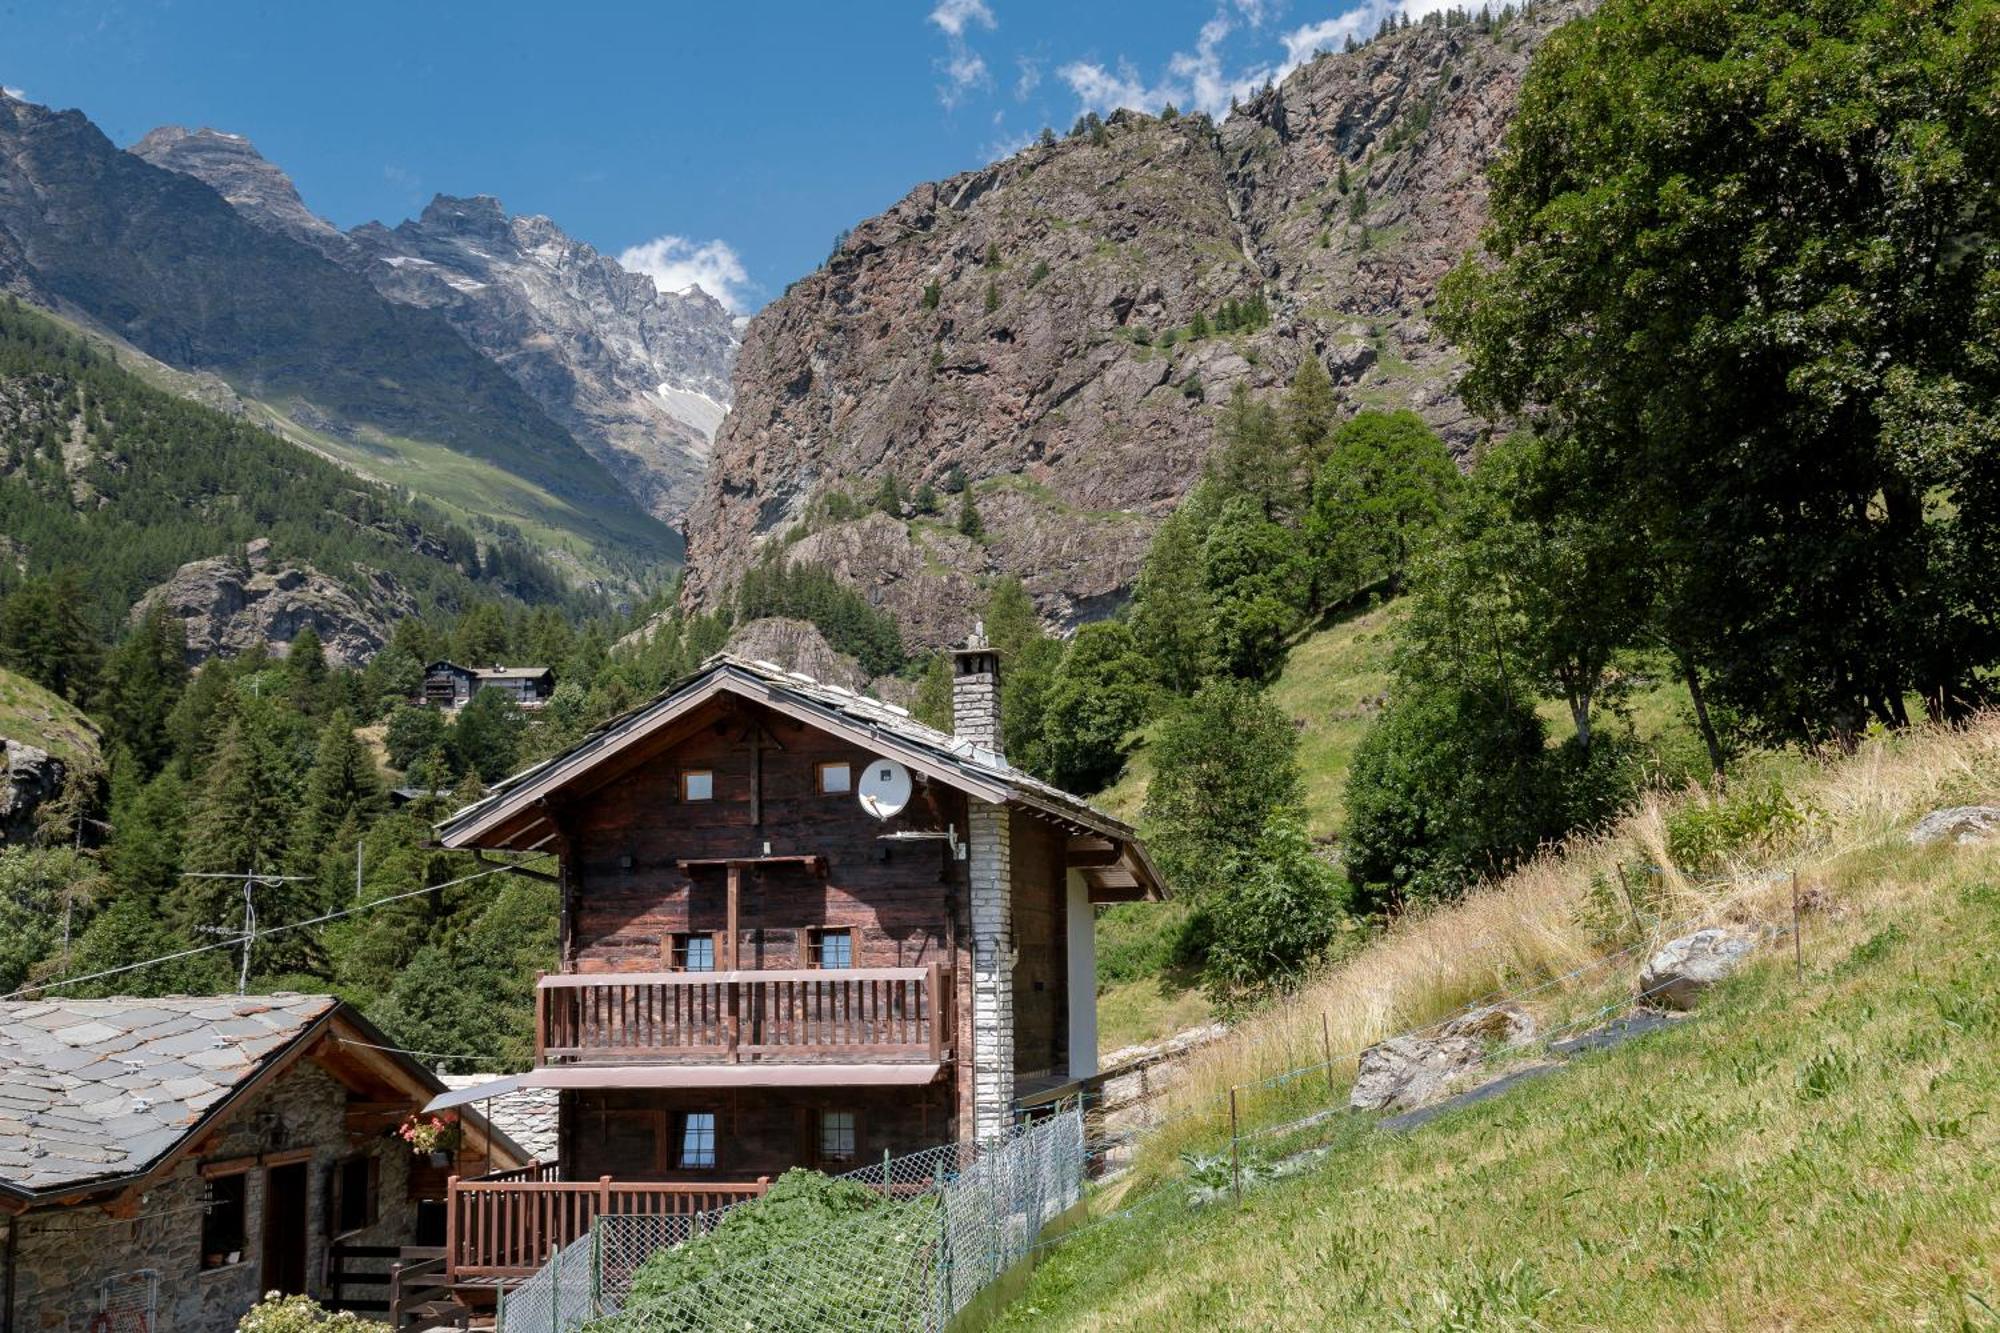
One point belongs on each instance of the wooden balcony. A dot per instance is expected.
(502, 1227)
(865, 1015)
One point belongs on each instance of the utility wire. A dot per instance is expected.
(235, 941)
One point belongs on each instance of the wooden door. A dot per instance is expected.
(285, 1231)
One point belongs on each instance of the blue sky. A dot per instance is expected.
(721, 142)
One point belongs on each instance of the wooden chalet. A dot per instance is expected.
(757, 973)
(449, 685)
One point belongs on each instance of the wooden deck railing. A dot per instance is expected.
(869, 1014)
(508, 1228)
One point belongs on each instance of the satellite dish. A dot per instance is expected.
(884, 788)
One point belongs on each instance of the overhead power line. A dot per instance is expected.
(239, 941)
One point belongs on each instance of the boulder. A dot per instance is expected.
(28, 777)
(1407, 1072)
(1508, 1024)
(227, 606)
(796, 645)
(1675, 977)
(1959, 824)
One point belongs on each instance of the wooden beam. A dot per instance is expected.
(1089, 853)
(479, 858)
(811, 861)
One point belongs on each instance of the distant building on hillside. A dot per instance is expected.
(449, 685)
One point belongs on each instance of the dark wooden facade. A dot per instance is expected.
(631, 897)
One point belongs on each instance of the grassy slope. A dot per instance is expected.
(601, 542)
(31, 715)
(1796, 1156)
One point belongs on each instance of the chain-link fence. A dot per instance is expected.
(559, 1298)
(951, 1220)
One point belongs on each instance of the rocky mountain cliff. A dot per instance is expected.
(640, 377)
(1032, 326)
(159, 260)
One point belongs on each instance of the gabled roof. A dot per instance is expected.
(492, 672)
(94, 1093)
(891, 731)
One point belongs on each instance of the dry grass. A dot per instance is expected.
(1556, 917)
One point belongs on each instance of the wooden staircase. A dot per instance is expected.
(404, 1285)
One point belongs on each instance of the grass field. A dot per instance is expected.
(33, 716)
(1815, 1154)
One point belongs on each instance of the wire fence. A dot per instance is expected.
(951, 1220)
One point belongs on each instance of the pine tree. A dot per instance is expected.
(1311, 414)
(992, 296)
(343, 786)
(968, 516)
(143, 679)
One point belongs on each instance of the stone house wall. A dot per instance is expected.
(64, 1256)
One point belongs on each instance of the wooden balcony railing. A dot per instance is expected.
(506, 1226)
(867, 1014)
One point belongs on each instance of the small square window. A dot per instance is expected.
(836, 1136)
(224, 1215)
(695, 1143)
(698, 784)
(694, 953)
(832, 948)
(835, 779)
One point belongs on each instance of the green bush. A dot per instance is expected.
(1452, 783)
(1704, 833)
(812, 1220)
(1276, 913)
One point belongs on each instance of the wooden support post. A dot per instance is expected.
(1326, 1049)
(603, 1196)
(934, 998)
(1799, 943)
(451, 1227)
(1630, 905)
(541, 1020)
(1235, 1153)
(735, 889)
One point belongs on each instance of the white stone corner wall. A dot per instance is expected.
(989, 866)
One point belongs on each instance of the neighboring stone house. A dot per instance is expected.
(165, 1161)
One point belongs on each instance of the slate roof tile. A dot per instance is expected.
(97, 1088)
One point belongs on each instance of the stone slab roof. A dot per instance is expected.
(93, 1089)
(525, 1115)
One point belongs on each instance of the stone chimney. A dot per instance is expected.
(975, 691)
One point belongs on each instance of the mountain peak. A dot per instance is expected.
(230, 165)
(478, 214)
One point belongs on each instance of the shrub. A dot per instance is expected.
(1276, 913)
(1704, 833)
(1451, 783)
(302, 1314)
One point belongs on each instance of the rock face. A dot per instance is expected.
(28, 777)
(796, 645)
(1508, 1024)
(227, 608)
(1960, 824)
(161, 261)
(640, 377)
(254, 186)
(1676, 976)
(1012, 324)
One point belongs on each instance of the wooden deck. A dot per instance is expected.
(502, 1227)
(856, 1015)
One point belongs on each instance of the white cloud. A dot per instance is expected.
(1203, 78)
(955, 16)
(18, 94)
(962, 67)
(675, 263)
(1030, 78)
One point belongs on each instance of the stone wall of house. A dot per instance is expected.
(990, 874)
(66, 1256)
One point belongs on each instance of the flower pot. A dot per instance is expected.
(440, 1159)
